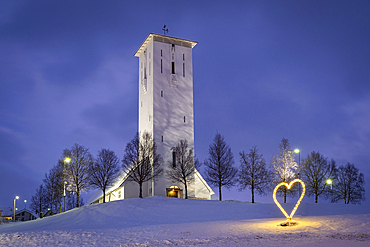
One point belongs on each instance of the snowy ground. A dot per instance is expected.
(161, 221)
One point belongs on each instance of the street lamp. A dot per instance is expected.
(16, 198)
(66, 160)
(25, 204)
(330, 182)
(297, 151)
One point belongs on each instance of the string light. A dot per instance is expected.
(288, 186)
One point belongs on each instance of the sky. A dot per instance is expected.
(263, 71)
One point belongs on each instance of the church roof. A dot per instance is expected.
(164, 39)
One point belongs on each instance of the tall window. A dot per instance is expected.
(173, 67)
(174, 158)
(161, 52)
(183, 69)
(161, 93)
(183, 57)
(161, 65)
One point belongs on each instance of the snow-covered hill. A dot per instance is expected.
(161, 221)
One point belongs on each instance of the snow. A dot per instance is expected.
(162, 221)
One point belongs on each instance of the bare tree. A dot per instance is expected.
(284, 165)
(78, 170)
(52, 184)
(315, 171)
(181, 167)
(219, 170)
(38, 201)
(139, 159)
(253, 173)
(104, 171)
(348, 185)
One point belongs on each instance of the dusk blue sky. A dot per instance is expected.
(263, 71)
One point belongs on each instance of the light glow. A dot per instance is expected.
(288, 186)
(328, 181)
(67, 160)
(296, 150)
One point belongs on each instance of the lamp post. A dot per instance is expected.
(297, 151)
(25, 204)
(66, 160)
(16, 198)
(330, 182)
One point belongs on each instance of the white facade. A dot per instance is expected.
(166, 98)
(165, 111)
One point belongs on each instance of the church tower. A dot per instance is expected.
(166, 99)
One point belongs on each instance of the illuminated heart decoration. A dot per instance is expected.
(288, 186)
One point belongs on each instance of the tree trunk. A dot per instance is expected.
(252, 189)
(141, 190)
(219, 192)
(103, 196)
(316, 196)
(186, 191)
(78, 198)
(285, 194)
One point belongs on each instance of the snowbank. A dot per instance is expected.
(161, 221)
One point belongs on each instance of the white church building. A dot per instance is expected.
(165, 111)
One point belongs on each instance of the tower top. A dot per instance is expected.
(164, 39)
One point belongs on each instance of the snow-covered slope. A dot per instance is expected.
(158, 221)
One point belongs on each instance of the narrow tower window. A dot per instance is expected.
(161, 66)
(162, 138)
(173, 67)
(161, 52)
(183, 57)
(183, 69)
(174, 158)
(184, 120)
(161, 93)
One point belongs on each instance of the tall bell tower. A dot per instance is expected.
(166, 99)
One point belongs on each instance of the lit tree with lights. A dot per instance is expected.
(284, 165)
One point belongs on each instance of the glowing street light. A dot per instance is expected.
(66, 160)
(16, 198)
(25, 204)
(330, 182)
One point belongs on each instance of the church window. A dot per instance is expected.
(183, 69)
(173, 67)
(161, 66)
(183, 57)
(162, 138)
(149, 66)
(161, 93)
(161, 52)
(184, 119)
(173, 56)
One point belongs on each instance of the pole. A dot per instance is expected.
(64, 195)
(331, 189)
(299, 167)
(14, 211)
(152, 180)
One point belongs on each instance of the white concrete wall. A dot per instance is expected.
(164, 116)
